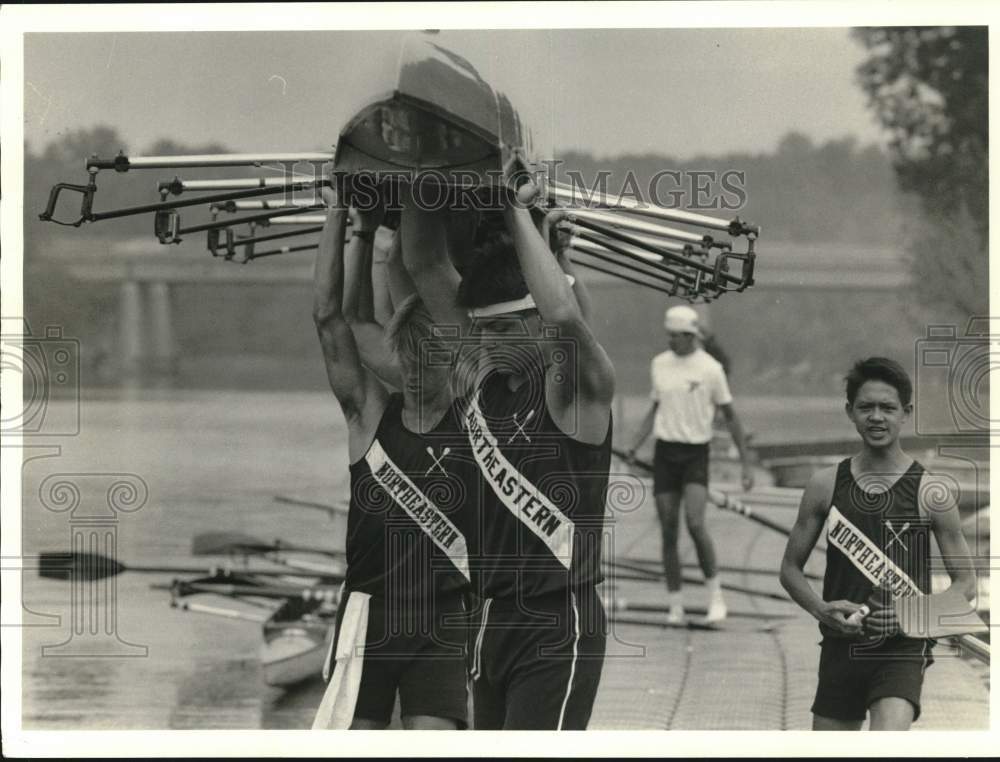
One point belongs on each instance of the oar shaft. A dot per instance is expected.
(658, 248)
(219, 224)
(622, 276)
(980, 649)
(727, 503)
(599, 252)
(720, 500)
(629, 253)
(640, 226)
(263, 591)
(264, 203)
(619, 605)
(178, 186)
(310, 504)
(660, 243)
(276, 236)
(282, 250)
(122, 163)
(203, 608)
(657, 576)
(169, 205)
(566, 193)
(302, 219)
(658, 563)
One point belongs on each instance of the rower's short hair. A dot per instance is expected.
(879, 369)
(493, 274)
(410, 324)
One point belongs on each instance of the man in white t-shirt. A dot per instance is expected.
(688, 386)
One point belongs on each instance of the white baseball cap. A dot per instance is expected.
(681, 319)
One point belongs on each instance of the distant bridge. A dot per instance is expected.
(146, 273)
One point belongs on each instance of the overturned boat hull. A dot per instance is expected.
(433, 110)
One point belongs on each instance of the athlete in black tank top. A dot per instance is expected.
(541, 434)
(406, 527)
(399, 632)
(874, 511)
(543, 494)
(875, 537)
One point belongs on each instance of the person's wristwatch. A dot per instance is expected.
(364, 235)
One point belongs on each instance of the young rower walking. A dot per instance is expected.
(400, 626)
(538, 423)
(877, 520)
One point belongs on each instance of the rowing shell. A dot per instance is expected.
(431, 107)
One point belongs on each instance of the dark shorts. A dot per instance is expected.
(418, 653)
(536, 665)
(851, 681)
(678, 463)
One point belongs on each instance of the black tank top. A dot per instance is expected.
(541, 521)
(406, 525)
(875, 538)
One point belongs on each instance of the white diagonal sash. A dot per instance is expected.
(867, 557)
(522, 498)
(419, 507)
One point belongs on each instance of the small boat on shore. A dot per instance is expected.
(297, 638)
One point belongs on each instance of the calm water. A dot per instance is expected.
(205, 461)
(209, 461)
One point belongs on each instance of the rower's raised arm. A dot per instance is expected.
(398, 280)
(359, 310)
(360, 395)
(578, 396)
(424, 235)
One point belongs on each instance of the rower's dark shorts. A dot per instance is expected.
(536, 663)
(678, 463)
(850, 682)
(418, 654)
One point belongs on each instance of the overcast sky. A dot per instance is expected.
(677, 92)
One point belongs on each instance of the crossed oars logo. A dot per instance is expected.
(437, 460)
(897, 536)
(520, 426)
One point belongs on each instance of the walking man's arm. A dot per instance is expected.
(813, 510)
(736, 430)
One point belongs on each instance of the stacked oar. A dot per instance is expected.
(296, 194)
(627, 239)
(676, 252)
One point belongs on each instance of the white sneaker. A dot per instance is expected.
(717, 610)
(675, 607)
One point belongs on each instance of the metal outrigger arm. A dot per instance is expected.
(232, 240)
(242, 189)
(88, 215)
(166, 223)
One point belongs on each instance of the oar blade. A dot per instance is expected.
(222, 543)
(81, 566)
